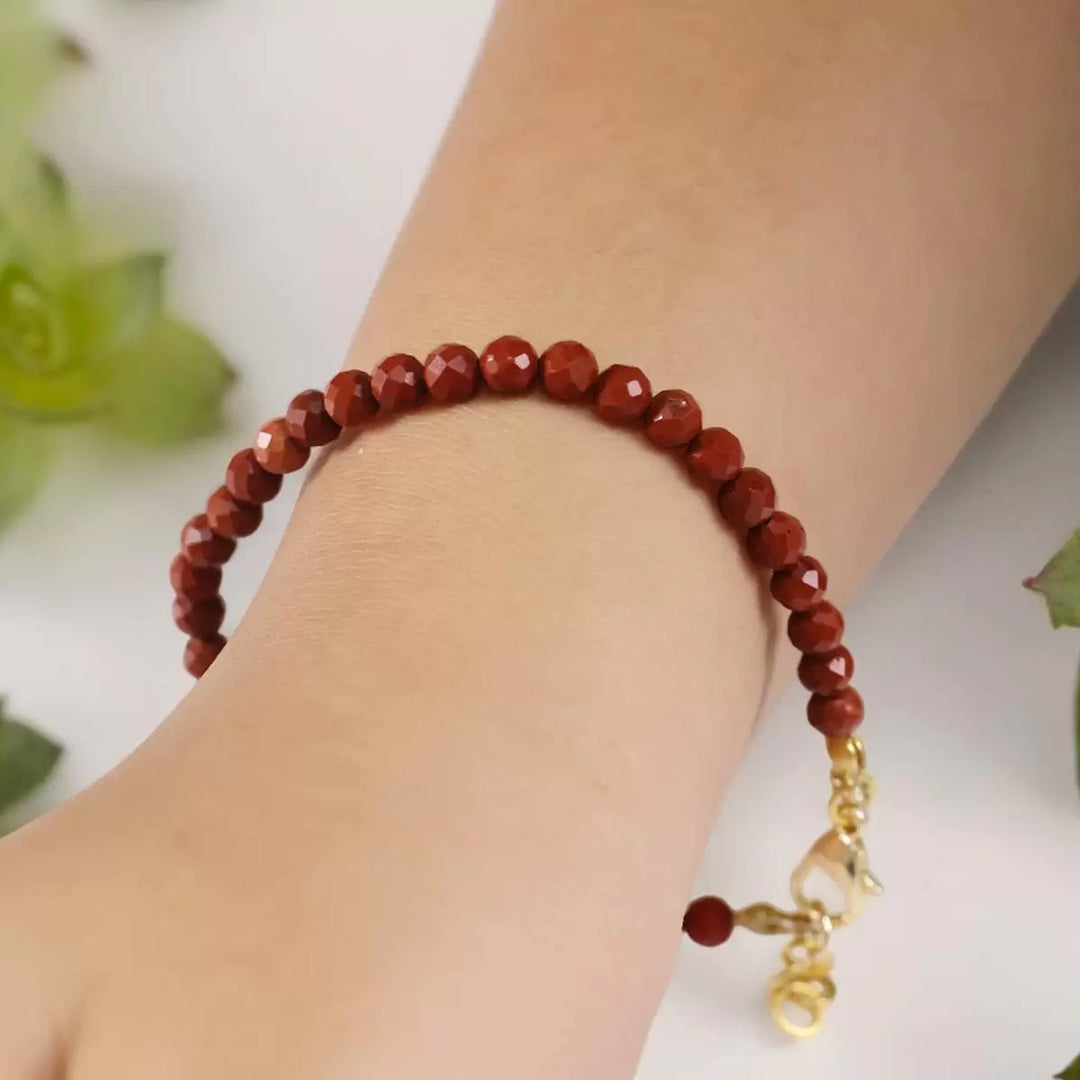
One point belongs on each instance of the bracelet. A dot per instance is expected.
(801, 993)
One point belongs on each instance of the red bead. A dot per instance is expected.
(199, 654)
(248, 481)
(777, 542)
(307, 420)
(623, 394)
(801, 585)
(673, 419)
(452, 373)
(709, 921)
(836, 716)
(715, 456)
(509, 365)
(277, 451)
(202, 546)
(827, 673)
(569, 370)
(194, 582)
(349, 398)
(817, 629)
(748, 500)
(398, 383)
(228, 516)
(200, 618)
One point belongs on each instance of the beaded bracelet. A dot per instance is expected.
(801, 993)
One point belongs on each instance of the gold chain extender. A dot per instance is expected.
(804, 988)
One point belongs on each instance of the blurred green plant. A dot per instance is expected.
(27, 758)
(1071, 1072)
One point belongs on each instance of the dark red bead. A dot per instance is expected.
(838, 715)
(349, 398)
(748, 500)
(228, 516)
(673, 419)
(569, 370)
(307, 420)
(709, 921)
(277, 451)
(623, 394)
(777, 542)
(398, 383)
(801, 585)
(194, 582)
(817, 629)
(200, 618)
(202, 546)
(715, 456)
(509, 365)
(452, 373)
(827, 673)
(248, 481)
(200, 654)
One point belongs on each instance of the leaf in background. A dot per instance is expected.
(168, 386)
(26, 759)
(29, 56)
(1071, 1072)
(25, 460)
(1059, 583)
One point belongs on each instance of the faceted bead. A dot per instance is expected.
(801, 585)
(194, 582)
(673, 419)
(828, 672)
(509, 365)
(308, 422)
(248, 481)
(709, 921)
(277, 451)
(349, 398)
(838, 715)
(229, 516)
(777, 542)
(748, 500)
(398, 383)
(200, 654)
(452, 373)
(202, 546)
(200, 618)
(623, 393)
(817, 629)
(715, 456)
(569, 370)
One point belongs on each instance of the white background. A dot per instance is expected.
(276, 144)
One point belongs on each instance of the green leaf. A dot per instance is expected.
(29, 57)
(27, 758)
(1071, 1072)
(168, 386)
(25, 460)
(1059, 583)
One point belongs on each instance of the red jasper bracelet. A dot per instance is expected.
(774, 540)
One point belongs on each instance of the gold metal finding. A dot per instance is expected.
(801, 993)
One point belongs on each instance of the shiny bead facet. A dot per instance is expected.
(801, 585)
(452, 373)
(709, 921)
(828, 672)
(248, 481)
(748, 500)
(838, 715)
(569, 370)
(398, 383)
(623, 393)
(349, 398)
(817, 629)
(509, 365)
(673, 419)
(194, 582)
(308, 422)
(715, 456)
(228, 516)
(202, 546)
(200, 654)
(777, 542)
(199, 618)
(277, 451)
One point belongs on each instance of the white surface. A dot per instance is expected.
(282, 143)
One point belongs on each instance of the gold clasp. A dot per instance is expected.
(842, 858)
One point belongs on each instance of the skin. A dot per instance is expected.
(437, 809)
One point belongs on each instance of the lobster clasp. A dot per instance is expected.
(842, 858)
